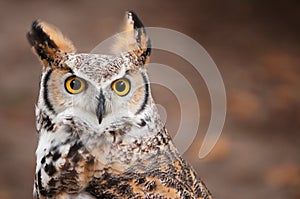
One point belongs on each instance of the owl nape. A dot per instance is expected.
(100, 135)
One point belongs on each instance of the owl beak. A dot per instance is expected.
(101, 107)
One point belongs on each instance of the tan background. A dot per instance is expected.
(255, 45)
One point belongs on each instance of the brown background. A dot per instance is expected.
(255, 45)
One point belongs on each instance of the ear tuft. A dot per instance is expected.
(134, 38)
(48, 42)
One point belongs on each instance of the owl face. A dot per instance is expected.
(91, 86)
(106, 89)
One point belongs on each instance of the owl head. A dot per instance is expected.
(102, 90)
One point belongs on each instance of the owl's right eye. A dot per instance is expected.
(75, 85)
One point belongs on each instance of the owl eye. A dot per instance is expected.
(75, 85)
(121, 86)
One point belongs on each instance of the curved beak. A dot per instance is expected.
(100, 111)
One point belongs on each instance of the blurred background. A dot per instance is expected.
(255, 45)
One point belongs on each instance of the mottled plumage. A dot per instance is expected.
(100, 135)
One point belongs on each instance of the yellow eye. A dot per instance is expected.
(121, 86)
(75, 85)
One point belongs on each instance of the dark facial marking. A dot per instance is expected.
(101, 107)
(147, 91)
(45, 91)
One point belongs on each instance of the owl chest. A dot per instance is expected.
(67, 163)
(63, 165)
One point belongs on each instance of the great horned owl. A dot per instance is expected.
(100, 135)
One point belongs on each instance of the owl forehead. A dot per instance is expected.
(98, 68)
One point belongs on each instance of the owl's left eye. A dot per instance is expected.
(75, 85)
(121, 86)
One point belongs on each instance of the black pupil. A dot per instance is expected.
(120, 86)
(75, 84)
